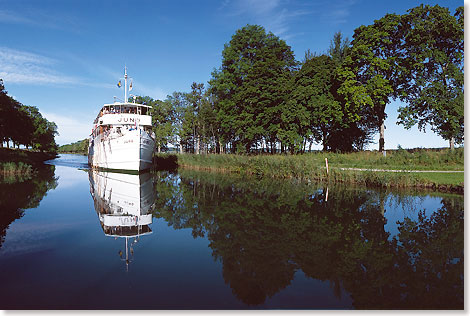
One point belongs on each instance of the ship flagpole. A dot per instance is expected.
(125, 84)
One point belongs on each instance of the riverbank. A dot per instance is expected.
(21, 162)
(312, 167)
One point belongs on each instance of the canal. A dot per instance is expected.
(72, 238)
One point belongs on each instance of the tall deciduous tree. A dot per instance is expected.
(311, 109)
(372, 73)
(248, 86)
(434, 44)
(25, 125)
(181, 131)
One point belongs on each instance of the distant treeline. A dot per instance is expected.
(261, 99)
(24, 125)
(80, 147)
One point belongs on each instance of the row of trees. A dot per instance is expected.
(24, 125)
(262, 99)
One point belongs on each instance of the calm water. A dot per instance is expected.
(76, 239)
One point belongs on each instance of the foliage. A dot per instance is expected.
(249, 87)
(80, 147)
(371, 74)
(311, 110)
(434, 42)
(259, 100)
(25, 125)
(162, 120)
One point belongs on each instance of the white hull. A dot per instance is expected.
(123, 202)
(132, 150)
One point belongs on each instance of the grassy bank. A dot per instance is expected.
(312, 167)
(21, 162)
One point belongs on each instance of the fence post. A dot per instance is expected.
(326, 162)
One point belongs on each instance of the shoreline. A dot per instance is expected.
(14, 162)
(349, 179)
(309, 168)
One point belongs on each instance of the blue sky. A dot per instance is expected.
(65, 57)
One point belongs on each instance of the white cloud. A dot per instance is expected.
(35, 17)
(70, 129)
(11, 17)
(339, 12)
(144, 90)
(24, 67)
(273, 15)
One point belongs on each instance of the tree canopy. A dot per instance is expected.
(24, 125)
(249, 87)
(434, 43)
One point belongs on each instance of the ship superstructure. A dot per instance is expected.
(122, 136)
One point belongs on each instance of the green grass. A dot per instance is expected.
(443, 178)
(312, 167)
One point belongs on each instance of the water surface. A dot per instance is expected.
(72, 238)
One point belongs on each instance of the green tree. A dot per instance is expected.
(25, 125)
(311, 109)
(162, 120)
(43, 131)
(371, 74)
(180, 130)
(197, 102)
(434, 44)
(10, 116)
(248, 86)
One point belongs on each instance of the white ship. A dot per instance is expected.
(122, 136)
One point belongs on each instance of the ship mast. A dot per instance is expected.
(125, 84)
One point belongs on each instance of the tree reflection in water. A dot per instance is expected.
(264, 231)
(17, 195)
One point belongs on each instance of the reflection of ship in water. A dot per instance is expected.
(123, 203)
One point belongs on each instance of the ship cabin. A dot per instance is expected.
(125, 108)
(119, 116)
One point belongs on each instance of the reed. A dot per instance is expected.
(311, 167)
(15, 167)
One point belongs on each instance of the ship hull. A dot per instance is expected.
(132, 151)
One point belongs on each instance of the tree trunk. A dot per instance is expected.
(158, 148)
(324, 141)
(382, 137)
(197, 146)
(451, 143)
